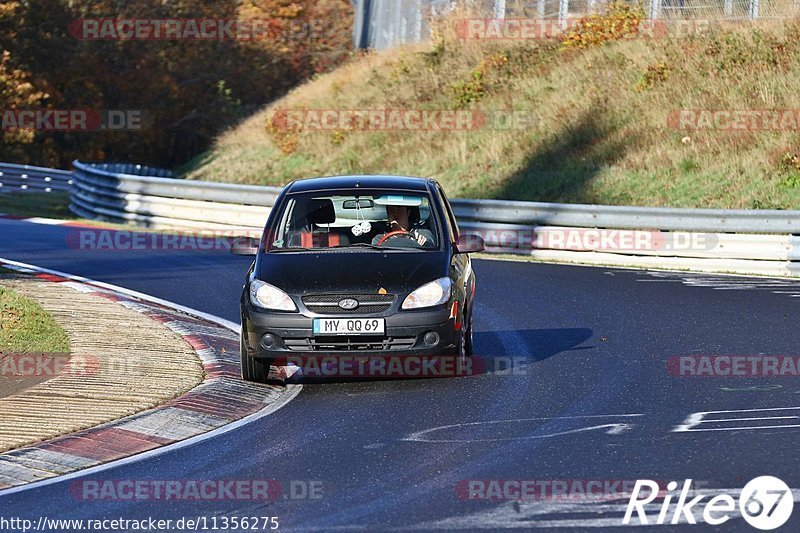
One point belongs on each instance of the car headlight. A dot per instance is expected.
(267, 296)
(433, 293)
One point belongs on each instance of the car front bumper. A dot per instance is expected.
(404, 335)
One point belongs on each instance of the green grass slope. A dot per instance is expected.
(595, 122)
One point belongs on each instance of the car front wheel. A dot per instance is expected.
(252, 370)
(464, 344)
(468, 345)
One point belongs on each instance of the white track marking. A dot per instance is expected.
(614, 428)
(693, 421)
(46, 221)
(754, 419)
(722, 281)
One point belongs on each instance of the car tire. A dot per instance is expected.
(461, 345)
(468, 342)
(252, 370)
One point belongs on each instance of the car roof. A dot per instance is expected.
(333, 183)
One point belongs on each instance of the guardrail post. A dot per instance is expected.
(363, 10)
(655, 9)
(384, 31)
(499, 9)
(418, 21)
(563, 12)
(753, 9)
(400, 21)
(540, 8)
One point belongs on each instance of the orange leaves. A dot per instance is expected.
(192, 88)
(17, 92)
(620, 21)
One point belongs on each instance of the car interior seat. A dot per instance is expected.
(314, 226)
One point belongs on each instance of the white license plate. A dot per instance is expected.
(349, 326)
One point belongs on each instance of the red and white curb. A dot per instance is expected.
(221, 403)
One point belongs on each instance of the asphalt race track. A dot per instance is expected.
(589, 398)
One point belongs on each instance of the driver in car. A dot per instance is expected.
(400, 227)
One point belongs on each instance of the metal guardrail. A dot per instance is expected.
(126, 193)
(384, 24)
(121, 182)
(736, 241)
(27, 178)
(624, 217)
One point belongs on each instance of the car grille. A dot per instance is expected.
(328, 304)
(351, 344)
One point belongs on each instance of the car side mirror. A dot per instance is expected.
(244, 246)
(468, 244)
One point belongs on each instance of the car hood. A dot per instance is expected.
(346, 271)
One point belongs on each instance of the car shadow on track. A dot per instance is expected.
(491, 357)
(528, 346)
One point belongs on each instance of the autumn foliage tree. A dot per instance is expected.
(190, 89)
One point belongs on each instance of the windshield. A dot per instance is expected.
(385, 220)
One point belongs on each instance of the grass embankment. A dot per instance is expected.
(27, 328)
(35, 204)
(598, 127)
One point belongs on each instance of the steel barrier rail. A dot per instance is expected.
(625, 217)
(148, 185)
(180, 209)
(494, 211)
(19, 178)
(88, 211)
(112, 192)
(708, 240)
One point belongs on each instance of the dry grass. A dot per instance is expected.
(27, 328)
(597, 121)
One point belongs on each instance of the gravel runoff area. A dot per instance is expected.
(121, 362)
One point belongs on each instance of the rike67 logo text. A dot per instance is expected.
(765, 503)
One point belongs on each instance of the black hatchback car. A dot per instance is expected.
(368, 265)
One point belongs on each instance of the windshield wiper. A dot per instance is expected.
(376, 247)
(361, 245)
(343, 247)
(295, 249)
